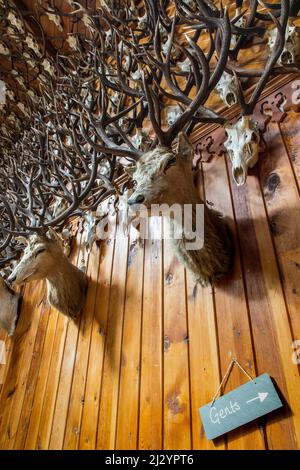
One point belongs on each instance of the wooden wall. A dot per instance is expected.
(151, 346)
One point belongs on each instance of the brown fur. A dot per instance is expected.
(9, 301)
(66, 284)
(160, 184)
(215, 259)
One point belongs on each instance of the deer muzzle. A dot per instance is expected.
(138, 199)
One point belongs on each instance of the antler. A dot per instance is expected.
(157, 67)
(281, 23)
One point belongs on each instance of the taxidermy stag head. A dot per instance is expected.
(157, 173)
(9, 302)
(163, 176)
(242, 145)
(43, 258)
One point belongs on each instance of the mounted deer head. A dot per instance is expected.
(157, 175)
(43, 258)
(242, 145)
(243, 139)
(9, 302)
(165, 177)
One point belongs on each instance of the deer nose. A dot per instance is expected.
(137, 200)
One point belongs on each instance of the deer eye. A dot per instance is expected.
(39, 251)
(170, 163)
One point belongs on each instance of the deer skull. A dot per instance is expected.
(141, 140)
(242, 145)
(240, 23)
(227, 89)
(173, 112)
(291, 51)
(15, 22)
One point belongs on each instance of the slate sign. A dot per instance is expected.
(244, 404)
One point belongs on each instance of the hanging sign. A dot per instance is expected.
(240, 406)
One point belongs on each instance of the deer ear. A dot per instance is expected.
(128, 167)
(22, 240)
(184, 148)
(52, 235)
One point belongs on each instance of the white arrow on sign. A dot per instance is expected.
(261, 396)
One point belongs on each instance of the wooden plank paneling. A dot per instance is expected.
(283, 209)
(204, 357)
(291, 136)
(40, 388)
(234, 329)
(76, 402)
(68, 364)
(177, 422)
(203, 349)
(32, 377)
(151, 390)
(112, 360)
(128, 405)
(267, 308)
(88, 431)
